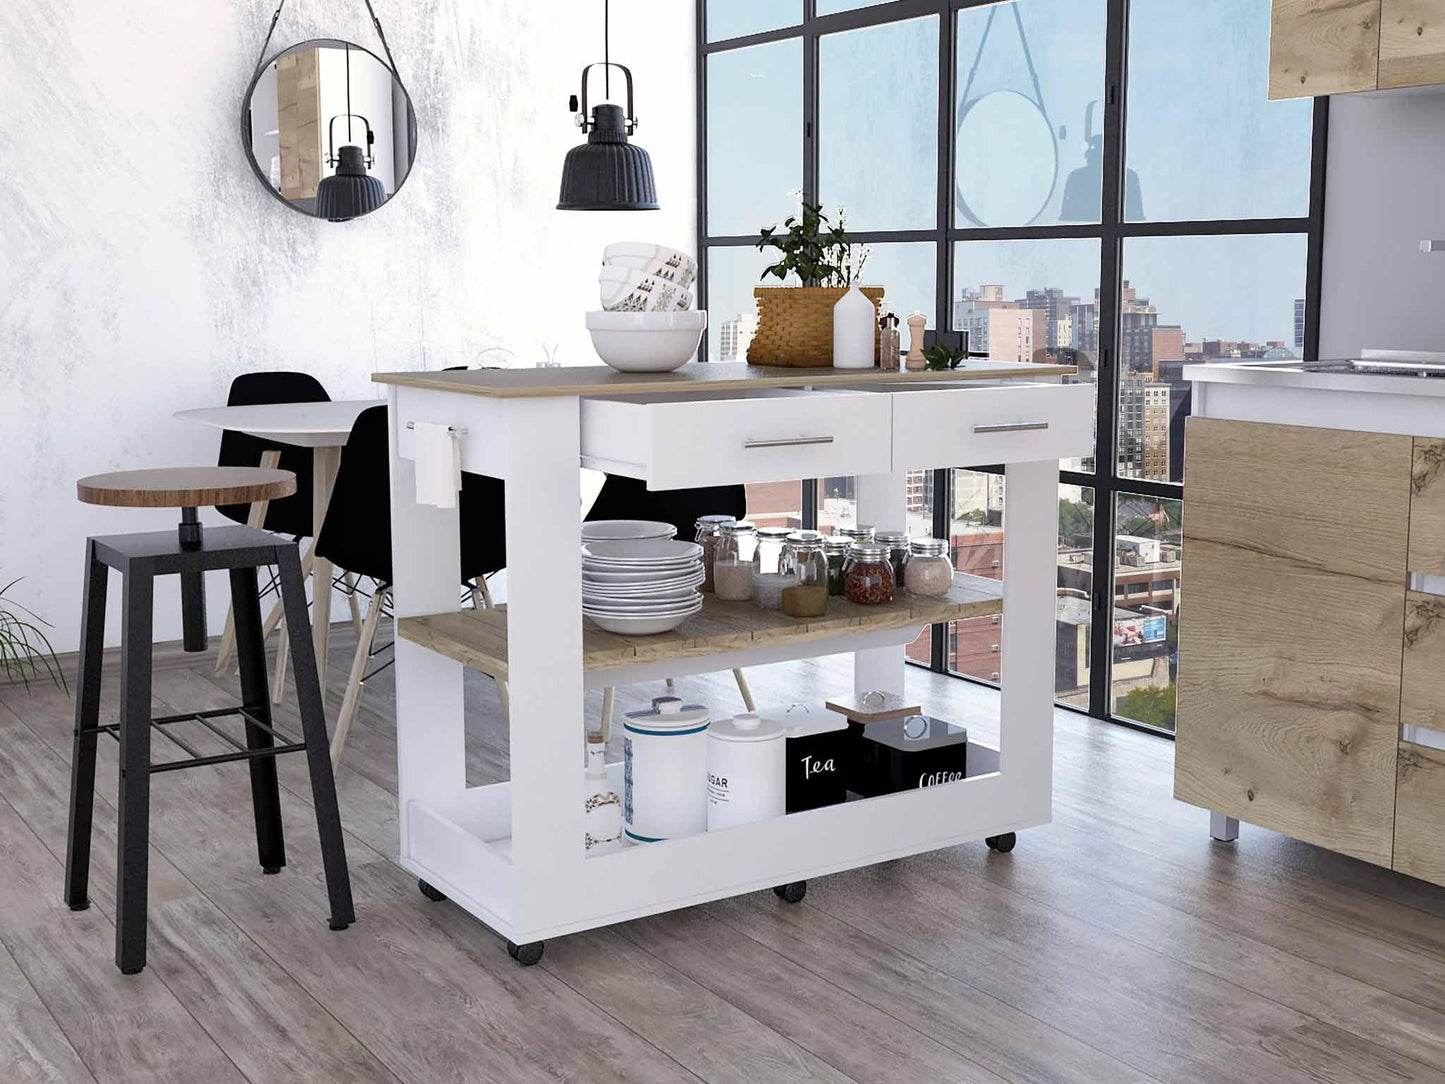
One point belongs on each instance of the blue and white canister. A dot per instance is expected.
(664, 771)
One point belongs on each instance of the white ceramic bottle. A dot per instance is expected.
(746, 772)
(853, 331)
(603, 808)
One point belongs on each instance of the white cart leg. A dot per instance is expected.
(1224, 829)
(1026, 669)
(544, 655)
(430, 726)
(883, 503)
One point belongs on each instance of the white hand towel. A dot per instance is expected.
(438, 466)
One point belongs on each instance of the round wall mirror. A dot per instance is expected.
(329, 129)
(1008, 162)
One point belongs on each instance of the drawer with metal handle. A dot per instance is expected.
(957, 425)
(762, 435)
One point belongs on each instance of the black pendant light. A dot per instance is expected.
(349, 192)
(607, 173)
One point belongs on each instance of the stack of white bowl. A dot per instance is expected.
(646, 323)
(638, 586)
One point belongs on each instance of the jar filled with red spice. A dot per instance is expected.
(868, 577)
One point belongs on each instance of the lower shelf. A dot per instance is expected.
(464, 848)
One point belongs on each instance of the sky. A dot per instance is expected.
(1201, 138)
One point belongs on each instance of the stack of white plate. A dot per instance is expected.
(605, 530)
(641, 586)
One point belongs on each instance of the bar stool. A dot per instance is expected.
(189, 553)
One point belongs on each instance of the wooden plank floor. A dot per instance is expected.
(1116, 945)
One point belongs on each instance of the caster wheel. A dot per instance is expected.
(792, 892)
(527, 954)
(336, 924)
(270, 871)
(1003, 844)
(83, 905)
(433, 894)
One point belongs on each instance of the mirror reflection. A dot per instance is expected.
(330, 129)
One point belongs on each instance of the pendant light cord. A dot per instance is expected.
(375, 22)
(606, 49)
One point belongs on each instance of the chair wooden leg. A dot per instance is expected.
(747, 693)
(486, 592)
(351, 702)
(478, 601)
(350, 581)
(283, 655)
(609, 700)
(504, 694)
(273, 619)
(256, 518)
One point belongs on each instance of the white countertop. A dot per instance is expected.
(1290, 374)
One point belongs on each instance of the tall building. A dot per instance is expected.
(1299, 326)
(1056, 307)
(1006, 334)
(734, 336)
(1143, 427)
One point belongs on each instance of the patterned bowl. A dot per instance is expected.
(627, 291)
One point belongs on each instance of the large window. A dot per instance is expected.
(1098, 182)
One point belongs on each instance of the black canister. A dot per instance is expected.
(905, 754)
(817, 753)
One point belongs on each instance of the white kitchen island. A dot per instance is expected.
(512, 853)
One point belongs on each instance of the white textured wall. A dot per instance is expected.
(142, 265)
(1384, 193)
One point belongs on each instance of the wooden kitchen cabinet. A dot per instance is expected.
(1427, 507)
(1290, 646)
(1324, 46)
(1420, 813)
(1412, 43)
(1422, 688)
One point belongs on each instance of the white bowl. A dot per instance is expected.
(668, 263)
(641, 626)
(640, 551)
(624, 290)
(646, 342)
(599, 530)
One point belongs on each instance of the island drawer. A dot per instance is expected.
(762, 435)
(967, 425)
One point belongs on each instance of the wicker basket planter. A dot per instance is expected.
(795, 324)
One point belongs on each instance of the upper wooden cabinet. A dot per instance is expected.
(1339, 46)
(1412, 43)
(1323, 47)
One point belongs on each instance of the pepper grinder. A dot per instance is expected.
(916, 321)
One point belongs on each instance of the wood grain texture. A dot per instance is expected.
(33, 1049)
(1420, 813)
(479, 638)
(185, 487)
(695, 378)
(1422, 678)
(1412, 43)
(1427, 506)
(1290, 658)
(298, 103)
(1323, 47)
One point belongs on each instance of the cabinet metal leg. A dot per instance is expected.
(87, 718)
(133, 830)
(251, 654)
(1224, 829)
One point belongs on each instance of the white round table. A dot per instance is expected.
(322, 427)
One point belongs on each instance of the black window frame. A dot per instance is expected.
(1111, 232)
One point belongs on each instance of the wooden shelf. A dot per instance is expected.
(478, 639)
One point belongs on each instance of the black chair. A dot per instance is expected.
(356, 536)
(288, 515)
(629, 498)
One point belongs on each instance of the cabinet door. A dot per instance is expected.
(1422, 690)
(1427, 507)
(1291, 630)
(1412, 43)
(1323, 47)
(1420, 813)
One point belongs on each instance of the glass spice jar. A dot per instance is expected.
(868, 577)
(928, 572)
(862, 533)
(835, 550)
(897, 543)
(768, 556)
(709, 530)
(732, 565)
(791, 543)
(807, 594)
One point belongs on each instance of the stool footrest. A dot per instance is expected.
(198, 759)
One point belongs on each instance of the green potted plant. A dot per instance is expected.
(24, 648)
(816, 264)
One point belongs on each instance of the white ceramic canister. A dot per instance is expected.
(664, 771)
(746, 772)
(854, 331)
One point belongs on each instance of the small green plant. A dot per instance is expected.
(24, 648)
(941, 358)
(814, 249)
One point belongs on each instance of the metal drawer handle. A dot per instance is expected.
(787, 442)
(1009, 427)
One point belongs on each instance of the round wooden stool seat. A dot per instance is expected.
(185, 487)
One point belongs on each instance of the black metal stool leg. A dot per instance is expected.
(313, 725)
(132, 837)
(87, 718)
(255, 695)
(193, 586)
